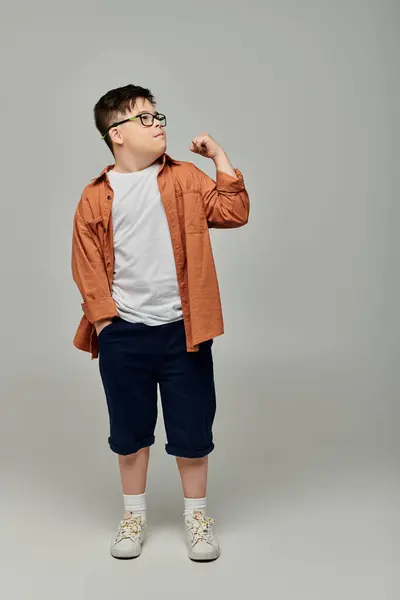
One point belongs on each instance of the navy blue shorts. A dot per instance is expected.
(133, 359)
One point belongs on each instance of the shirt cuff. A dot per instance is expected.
(227, 183)
(103, 308)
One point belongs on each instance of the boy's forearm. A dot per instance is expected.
(222, 163)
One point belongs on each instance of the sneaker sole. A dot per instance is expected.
(125, 557)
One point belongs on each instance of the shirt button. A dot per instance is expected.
(108, 197)
(105, 229)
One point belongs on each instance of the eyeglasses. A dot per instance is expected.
(146, 118)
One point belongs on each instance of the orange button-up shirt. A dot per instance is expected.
(193, 203)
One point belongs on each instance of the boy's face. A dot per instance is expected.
(139, 139)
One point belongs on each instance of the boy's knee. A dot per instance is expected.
(129, 458)
(196, 458)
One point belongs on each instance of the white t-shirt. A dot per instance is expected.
(145, 287)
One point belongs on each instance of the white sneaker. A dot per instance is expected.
(129, 539)
(202, 544)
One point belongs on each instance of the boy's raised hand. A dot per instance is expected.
(206, 146)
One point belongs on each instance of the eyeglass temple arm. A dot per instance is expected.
(119, 123)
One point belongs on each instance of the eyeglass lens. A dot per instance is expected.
(147, 119)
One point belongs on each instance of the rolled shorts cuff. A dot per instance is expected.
(188, 452)
(131, 450)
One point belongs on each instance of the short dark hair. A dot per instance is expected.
(116, 102)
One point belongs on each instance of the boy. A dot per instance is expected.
(142, 260)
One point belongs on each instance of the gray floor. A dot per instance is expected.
(304, 495)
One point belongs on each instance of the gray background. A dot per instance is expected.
(303, 481)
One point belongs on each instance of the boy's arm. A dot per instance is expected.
(226, 200)
(89, 274)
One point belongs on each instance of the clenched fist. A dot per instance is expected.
(206, 146)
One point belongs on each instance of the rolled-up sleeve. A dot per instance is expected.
(226, 201)
(89, 274)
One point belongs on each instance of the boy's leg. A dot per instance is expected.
(127, 365)
(193, 473)
(133, 471)
(189, 404)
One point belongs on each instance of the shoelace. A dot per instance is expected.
(130, 527)
(200, 527)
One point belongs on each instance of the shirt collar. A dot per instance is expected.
(164, 159)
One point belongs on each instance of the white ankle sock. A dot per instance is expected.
(195, 504)
(135, 503)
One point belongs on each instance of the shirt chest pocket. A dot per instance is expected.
(195, 217)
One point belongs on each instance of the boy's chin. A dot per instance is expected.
(162, 151)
